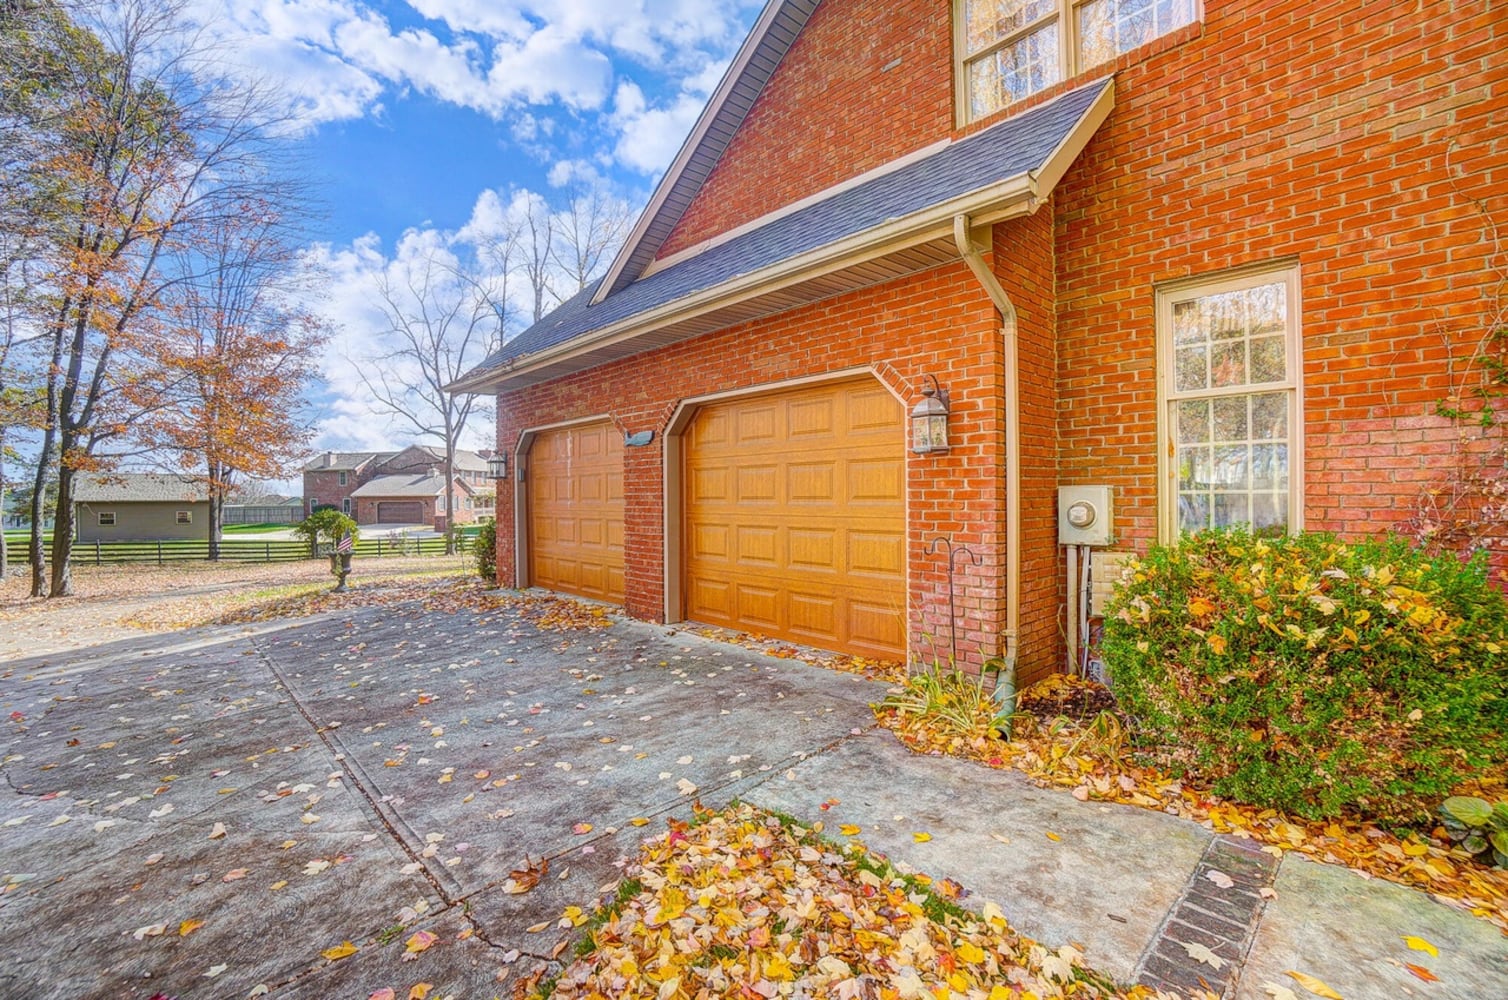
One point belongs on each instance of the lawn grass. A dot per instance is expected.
(254, 529)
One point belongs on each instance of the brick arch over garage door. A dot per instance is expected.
(575, 510)
(795, 516)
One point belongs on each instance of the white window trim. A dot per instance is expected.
(1065, 14)
(100, 518)
(183, 517)
(345, 505)
(1167, 467)
(342, 479)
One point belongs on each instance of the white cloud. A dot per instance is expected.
(339, 58)
(648, 136)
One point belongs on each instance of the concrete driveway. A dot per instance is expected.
(364, 776)
(302, 784)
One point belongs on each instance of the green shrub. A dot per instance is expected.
(1314, 675)
(484, 548)
(326, 526)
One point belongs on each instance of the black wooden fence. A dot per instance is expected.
(242, 550)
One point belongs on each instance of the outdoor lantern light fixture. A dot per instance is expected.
(497, 466)
(929, 421)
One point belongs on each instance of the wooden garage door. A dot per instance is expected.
(796, 517)
(575, 480)
(400, 511)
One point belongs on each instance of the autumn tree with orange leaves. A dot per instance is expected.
(143, 152)
(238, 353)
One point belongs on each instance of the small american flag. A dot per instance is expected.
(344, 545)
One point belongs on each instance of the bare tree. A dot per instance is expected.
(148, 146)
(587, 232)
(536, 250)
(443, 319)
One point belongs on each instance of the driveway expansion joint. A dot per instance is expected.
(1216, 915)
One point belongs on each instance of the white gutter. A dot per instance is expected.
(986, 278)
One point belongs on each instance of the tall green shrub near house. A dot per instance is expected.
(484, 549)
(1311, 674)
(326, 527)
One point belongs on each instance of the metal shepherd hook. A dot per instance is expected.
(953, 553)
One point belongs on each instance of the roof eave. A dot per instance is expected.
(1014, 196)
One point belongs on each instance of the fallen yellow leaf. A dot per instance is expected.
(1053, 836)
(188, 927)
(342, 950)
(1419, 944)
(848, 830)
(420, 941)
(1314, 986)
(921, 838)
(638, 821)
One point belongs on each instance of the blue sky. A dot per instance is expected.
(424, 123)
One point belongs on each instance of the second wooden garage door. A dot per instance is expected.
(575, 481)
(795, 517)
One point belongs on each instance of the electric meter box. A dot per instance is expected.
(1085, 515)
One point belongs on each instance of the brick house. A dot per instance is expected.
(335, 477)
(332, 477)
(1220, 257)
(412, 498)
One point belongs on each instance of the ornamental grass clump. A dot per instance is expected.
(1314, 675)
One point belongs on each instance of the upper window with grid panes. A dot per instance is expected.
(1010, 49)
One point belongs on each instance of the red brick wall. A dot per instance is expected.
(938, 322)
(834, 108)
(324, 487)
(1354, 138)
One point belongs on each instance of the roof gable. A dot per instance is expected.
(894, 221)
(772, 36)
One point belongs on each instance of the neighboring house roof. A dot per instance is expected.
(824, 245)
(345, 461)
(130, 487)
(386, 487)
(269, 500)
(468, 460)
(768, 42)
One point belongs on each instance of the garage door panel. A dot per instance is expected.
(878, 553)
(759, 546)
(757, 484)
(576, 511)
(808, 544)
(814, 548)
(872, 411)
(875, 481)
(809, 417)
(759, 606)
(811, 481)
(876, 627)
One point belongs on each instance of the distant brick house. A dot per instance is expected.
(140, 507)
(1211, 255)
(388, 487)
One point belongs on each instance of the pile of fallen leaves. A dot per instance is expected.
(1090, 757)
(862, 666)
(550, 613)
(745, 904)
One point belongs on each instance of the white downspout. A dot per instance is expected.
(986, 278)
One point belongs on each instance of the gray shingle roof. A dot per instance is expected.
(127, 487)
(345, 461)
(406, 486)
(1018, 145)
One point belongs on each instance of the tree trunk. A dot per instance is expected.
(450, 494)
(38, 515)
(4, 549)
(62, 535)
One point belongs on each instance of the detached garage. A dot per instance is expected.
(795, 516)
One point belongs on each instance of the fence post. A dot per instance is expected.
(159, 553)
(96, 552)
(267, 548)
